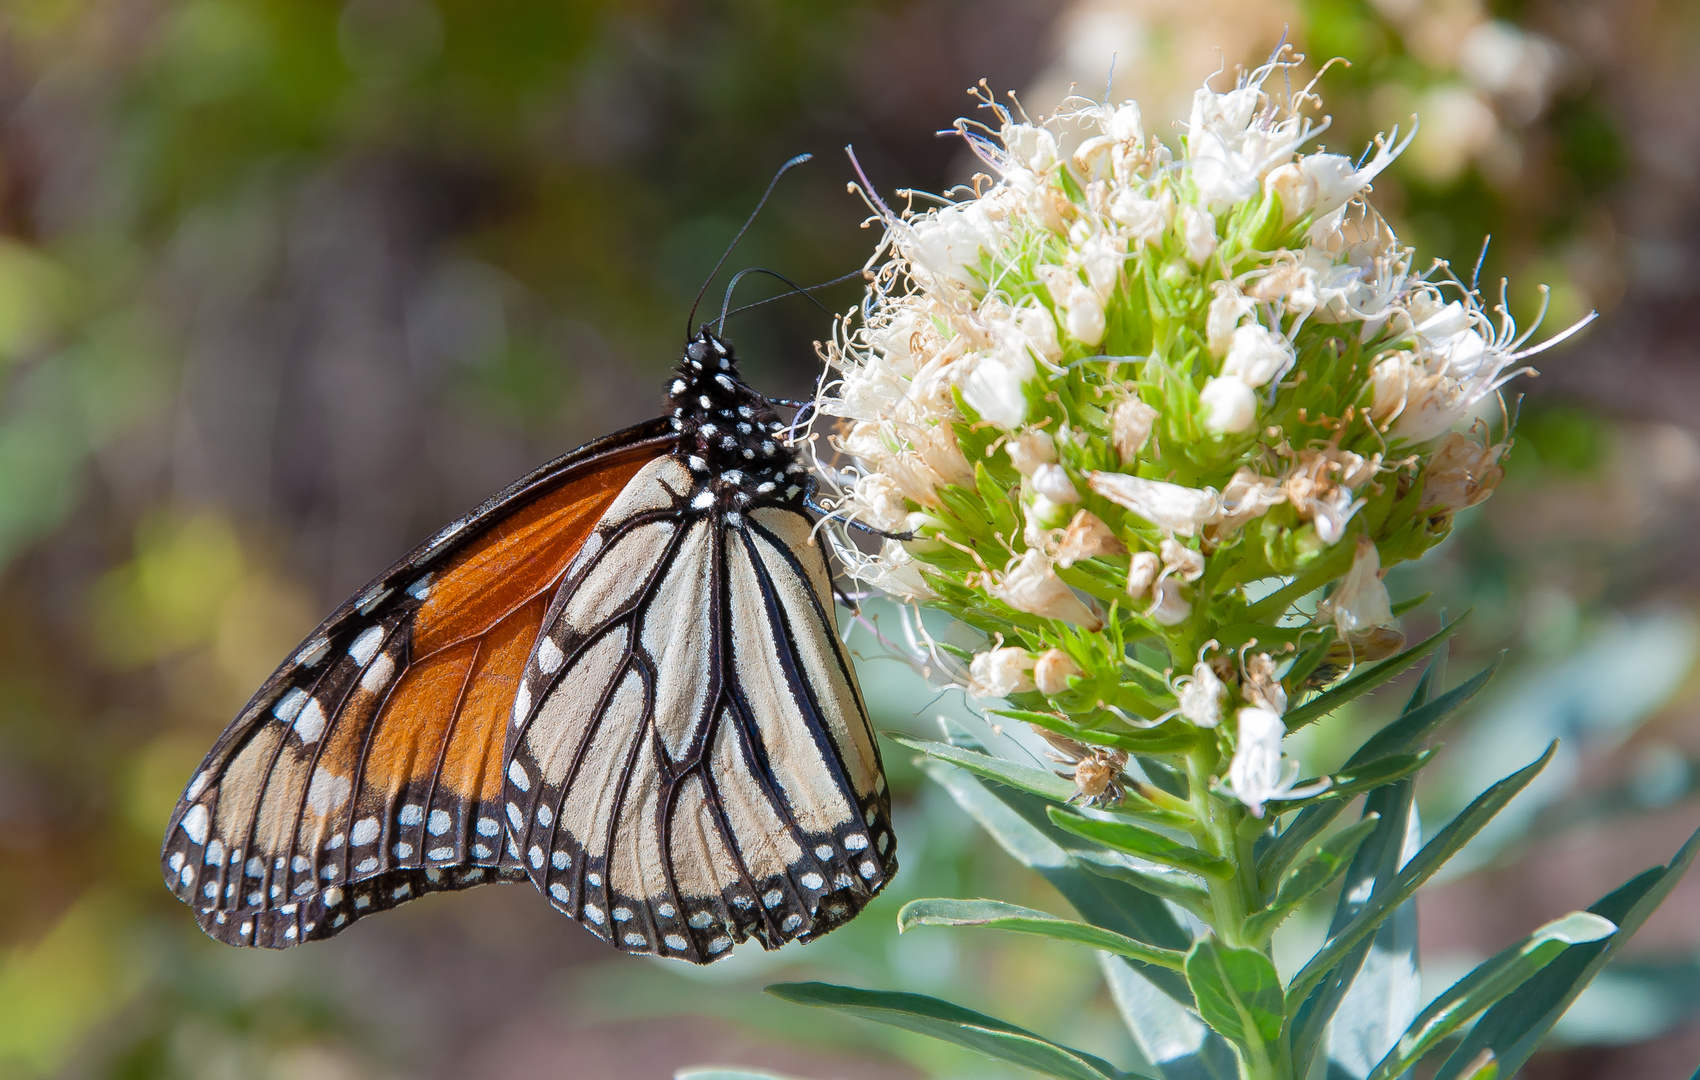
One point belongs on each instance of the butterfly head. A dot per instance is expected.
(729, 435)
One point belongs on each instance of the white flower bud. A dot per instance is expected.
(1180, 560)
(1226, 311)
(1031, 450)
(1053, 483)
(1179, 509)
(1197, 230)
(1031, 585)
(1130, 428)
(1085, 319)
(1125, 124)
(1142, 570)
(1102, 260)
(1000, 672)
(1052, 671)
(1360, 602)
(1199, 696)
(1171, 607)
(1031, 147)
(1257, 354)
(1230, 406)
(1256, 774)
(1085, 538)
(995, 385)
(1040, 330)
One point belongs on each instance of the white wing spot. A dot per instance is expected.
(720, 944)
(558, 860)
(255, 867)
(198, 785)
(843, 881)
(702, 500)
(513, 848)
(813, 881)
(872, 816)
(210, 889)
(702, 920)
(742, 903)
(515, 816)
(622, 914)
(488, 826)
(403, 850)
(549, 656)
(869, 868)
(440, 853)
(366, 866)
(475, 874)
(289, 934)
(559, 892)
(331, 896)
(401, 891)
(772, 897)
(884, 843)
(365, 831)
(361, 903)
(303, 889)
(327, 791)
(340, 920)
(301, 864)
(593, 913)
(411, 814)
(376, 677)
(674, 942)
(522, 704)
(313, 652)
(855, 842)
(328, 872)
(595, 880)
(366, 646)
(535, 857)
(195, 823)
(255, 899)
(824, 851)
(481, 851)
(433, 875)
(311, 723)
(544, 815)
(665, 910)
(636, 941)
(516, 773)
(177, 860)
(420, 589)
(335, 842)
(247, 928)
(374, 596)
(289, 704)
(439, 822)
(792, 921)
(215, 854)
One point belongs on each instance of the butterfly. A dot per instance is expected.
(619, 679)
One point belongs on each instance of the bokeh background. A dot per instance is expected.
(285, 284)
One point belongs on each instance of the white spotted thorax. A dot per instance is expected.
(731, 439)
(1127, 389)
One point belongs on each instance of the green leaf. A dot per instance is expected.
(1163, 739)
(1174, 885)
(1415, 724)
(1513, 1028)
(1040, 782)
(1325, 862)
(1018, 822)
(1349, 783)
(953, 1024)
(1456, 834)
(1365, 681)
(1487, 984)
(1168, 1034)
(1137, 840)
(1022, 920)
(1238, 992)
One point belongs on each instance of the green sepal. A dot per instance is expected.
(939, 911)
(1138, 841)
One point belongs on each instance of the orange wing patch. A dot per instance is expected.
(368, 770)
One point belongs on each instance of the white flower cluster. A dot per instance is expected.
(986, 313)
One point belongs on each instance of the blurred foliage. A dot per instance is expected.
(284, 284)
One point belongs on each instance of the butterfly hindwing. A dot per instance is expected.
(690, 760)
(368, 769)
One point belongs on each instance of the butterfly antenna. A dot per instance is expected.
(727, 254)
(720, 323)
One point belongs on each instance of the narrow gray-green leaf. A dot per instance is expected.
(715, 1072)
(1178, 886)
(1365, 681)
(1325, 862)
(1456, 834)
(1169, 1036)
(1514, 1028)
(1238, 992)
(953, 1024)
(1143, 843)
(1487, 984)
(1040, 782)
(1023, 920)
(1398, 737)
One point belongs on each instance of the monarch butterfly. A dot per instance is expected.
(619, 678)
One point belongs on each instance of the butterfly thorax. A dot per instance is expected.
(729, 436)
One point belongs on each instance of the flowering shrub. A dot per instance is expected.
(1155, 424)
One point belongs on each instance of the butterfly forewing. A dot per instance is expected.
(691, 763)
(368, 769)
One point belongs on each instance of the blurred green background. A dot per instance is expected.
(285, 284)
